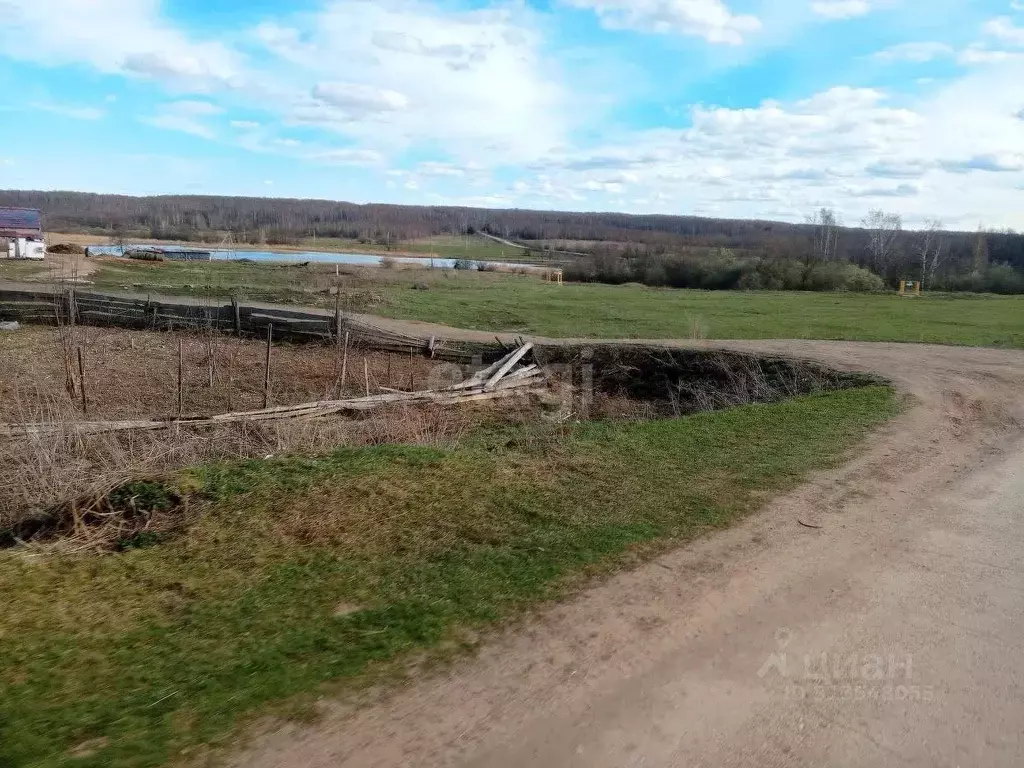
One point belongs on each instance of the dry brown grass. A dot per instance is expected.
(66, 479)
(131, 374)
(135, 373)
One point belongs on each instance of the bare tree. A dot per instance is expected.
(884, 231)
(931, 249)
(826, 234)
(979, 251)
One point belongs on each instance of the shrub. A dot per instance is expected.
(723, 271)
(466, 264)
(1002, 278)
(841, 276)
(998, 278)
(602, 268)
(779, 275)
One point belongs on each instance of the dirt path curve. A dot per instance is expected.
(698, 659)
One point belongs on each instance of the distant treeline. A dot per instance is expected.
(644, 247)
(727, 271)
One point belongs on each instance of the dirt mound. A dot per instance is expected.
(66, 248)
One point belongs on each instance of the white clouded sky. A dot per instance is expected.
(746, 108)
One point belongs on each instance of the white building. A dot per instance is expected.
(21, 234)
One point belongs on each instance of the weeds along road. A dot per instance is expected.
(889, 635)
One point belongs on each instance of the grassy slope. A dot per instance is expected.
(503, 302)
(137, 657)
(601, 311)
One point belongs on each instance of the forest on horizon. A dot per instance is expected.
(623, 243)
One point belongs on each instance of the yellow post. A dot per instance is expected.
(913, 286)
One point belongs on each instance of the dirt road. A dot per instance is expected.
(890, 635)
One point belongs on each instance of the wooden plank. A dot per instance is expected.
(305, 410)
(508, 366)
(286, 321)
(478, 378)
(266, 376)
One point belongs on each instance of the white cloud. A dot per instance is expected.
(841, 9)
(440, 170)
(991, 163)
(881, 191)
(245, 125)
(386, 74)
(851, 148)
(195, 108)
(1004, 30)
(117, 37)
(899, 169)
(979, 54)
(456, 55)
(347, 156)
(918, 53)
(169, 122)
(355, 101)
(710, 19)
(409, 75)
(75, 112)
(186, 116)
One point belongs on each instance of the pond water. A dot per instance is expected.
(292, 257)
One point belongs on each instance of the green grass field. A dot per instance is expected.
(602, 311)
(527, 304)
(306, 576)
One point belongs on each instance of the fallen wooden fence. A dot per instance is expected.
(497, 381)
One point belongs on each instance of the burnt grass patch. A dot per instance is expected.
(133, 515)
(669, 382)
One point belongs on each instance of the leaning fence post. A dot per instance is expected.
(344, 364)
(72, 308)
(337, 318)
(237, 314)
(81, 382)
(181, 377)
(266, 373)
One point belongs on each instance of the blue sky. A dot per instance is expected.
(733, 108)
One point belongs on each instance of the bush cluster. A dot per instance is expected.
(998, 278)
(724, 272)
